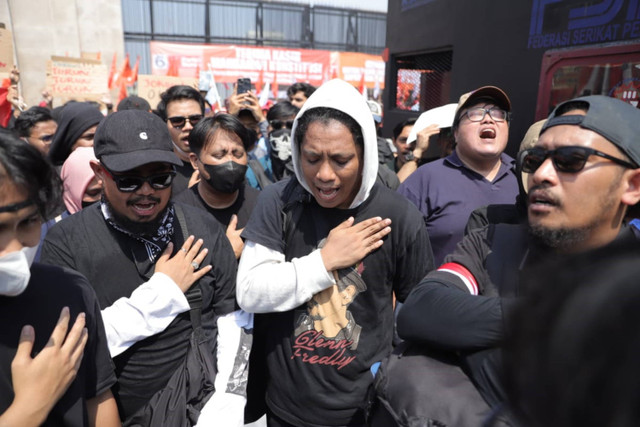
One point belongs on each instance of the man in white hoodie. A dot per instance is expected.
(313, 243)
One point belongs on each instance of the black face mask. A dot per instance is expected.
(227, 177)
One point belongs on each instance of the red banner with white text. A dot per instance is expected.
(267, 64)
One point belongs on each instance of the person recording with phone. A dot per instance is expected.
(244, 104)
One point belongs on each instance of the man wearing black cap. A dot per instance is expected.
(133, 248)
(583, 175)
(476, 174)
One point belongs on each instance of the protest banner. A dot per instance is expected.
(150, 87)
(76, 78)
(6, 50)
(230, 62)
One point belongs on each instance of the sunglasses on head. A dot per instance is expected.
(569, 159)
(179, 121)
(131, 183)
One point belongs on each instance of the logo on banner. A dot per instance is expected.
(605, 21)
(160, 61)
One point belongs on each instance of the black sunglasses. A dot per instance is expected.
(569, 159)
(279, 124)
(131, 183)
(179, 121)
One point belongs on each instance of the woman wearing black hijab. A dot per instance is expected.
(76, 128)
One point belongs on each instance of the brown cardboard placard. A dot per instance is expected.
(6, 50)
(76, 78)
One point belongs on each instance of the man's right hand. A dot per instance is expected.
(348, 244)
(179, 266)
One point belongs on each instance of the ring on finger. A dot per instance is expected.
(183, 250)
(195, 265)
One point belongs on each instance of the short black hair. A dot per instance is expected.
(133, 102)
(306, 88)
(28, 119)
(282, 110)
(324, 115)
(177, 93)
(397, 130)
(24, 166)
(206, 128)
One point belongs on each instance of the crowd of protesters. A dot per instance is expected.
(160, 265)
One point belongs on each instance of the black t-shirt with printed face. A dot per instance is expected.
(49, 290)
(243, 206)
(317, 377)
(116, 264)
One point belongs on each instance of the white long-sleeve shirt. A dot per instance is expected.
(266, 283)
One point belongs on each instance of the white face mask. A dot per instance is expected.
(15, 271)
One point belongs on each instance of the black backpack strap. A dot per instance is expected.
(261, 175)
(194, 294)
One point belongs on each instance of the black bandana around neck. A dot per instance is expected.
(154, 244)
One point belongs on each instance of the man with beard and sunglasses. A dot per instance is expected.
(142, 255)
(219, 147)
(583, 175)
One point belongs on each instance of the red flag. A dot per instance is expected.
(361, 87)
(334, 73)
(134, 73)
(125, 72)
(275, 86)
(112, 71)
(5, 107)
(123, 91)
(174, 66)
(260, 82)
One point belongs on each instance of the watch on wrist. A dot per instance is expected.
(409, 156)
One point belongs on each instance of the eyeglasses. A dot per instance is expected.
(279, 124)
(178, 122)
(569, 159)
(477, 114)
(131, 183)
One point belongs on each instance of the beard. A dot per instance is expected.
(565, 238)
(560, 238)
(147, 228)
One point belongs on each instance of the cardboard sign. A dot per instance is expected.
(76, 78)
(150, 87)
(6, 50)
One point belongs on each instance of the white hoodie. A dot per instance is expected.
(266, 283)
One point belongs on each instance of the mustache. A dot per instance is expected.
(148, 199)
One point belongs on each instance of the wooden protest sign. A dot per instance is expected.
(150, 87)
(90, 55)
(76, 78)
(6, 50)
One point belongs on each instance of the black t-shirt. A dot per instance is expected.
(317, 380)
(116, 264)
(243, 206)
(183, 175)
(49, 290)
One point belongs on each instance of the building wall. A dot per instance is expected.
(42, 28)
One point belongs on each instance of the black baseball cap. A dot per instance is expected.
(131, 138)
(616, 120)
